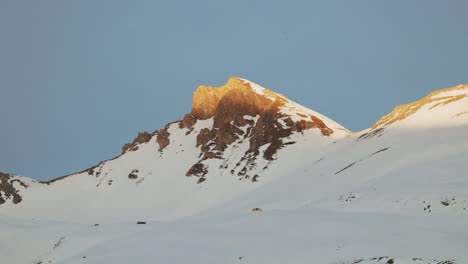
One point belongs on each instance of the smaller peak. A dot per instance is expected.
(433, 100)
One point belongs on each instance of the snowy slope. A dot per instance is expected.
(394, 193)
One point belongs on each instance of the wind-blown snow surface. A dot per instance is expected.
(395, 194)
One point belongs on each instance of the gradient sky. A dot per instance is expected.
(78, 79)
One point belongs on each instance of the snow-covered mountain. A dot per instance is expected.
(251, 177)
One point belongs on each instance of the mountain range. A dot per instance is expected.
(249, 176)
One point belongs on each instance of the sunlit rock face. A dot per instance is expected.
(211, 101)
(237, 98)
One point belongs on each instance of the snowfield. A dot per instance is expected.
(394, 193)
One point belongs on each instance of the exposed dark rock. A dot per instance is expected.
(7, 189)
(373, 133)
(255, 178)
(198, 169)
(391, 260)
(204, 138)
(163, 138)
(142, 137)
(377, 152)
(188, 122)
(446, 202)
(326, 131)
(212, 155)
(201, 180)
(345, 168)
(133, 175)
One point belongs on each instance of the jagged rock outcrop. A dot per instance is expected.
(142, 137)
(162, 138)
(8, 190)
(188, 122)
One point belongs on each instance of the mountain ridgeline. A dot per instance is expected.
(237, 131)
(248, 172)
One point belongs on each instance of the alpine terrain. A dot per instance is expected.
(248, 176)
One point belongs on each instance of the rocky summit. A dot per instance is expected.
(239, 111)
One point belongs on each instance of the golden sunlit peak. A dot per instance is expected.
(432, 101)
(206, 98)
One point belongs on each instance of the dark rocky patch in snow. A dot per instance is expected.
(347, 167)
(395, 260)
(347, 197)
(133, 174)
(8, 190)
(373, 133)
(354, 163)
(377, 152)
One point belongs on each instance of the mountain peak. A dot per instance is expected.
(242, 110)
(438, 107)
(207, 99)
(240, 97)
(239, 114)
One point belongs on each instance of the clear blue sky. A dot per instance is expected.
(79, 79)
